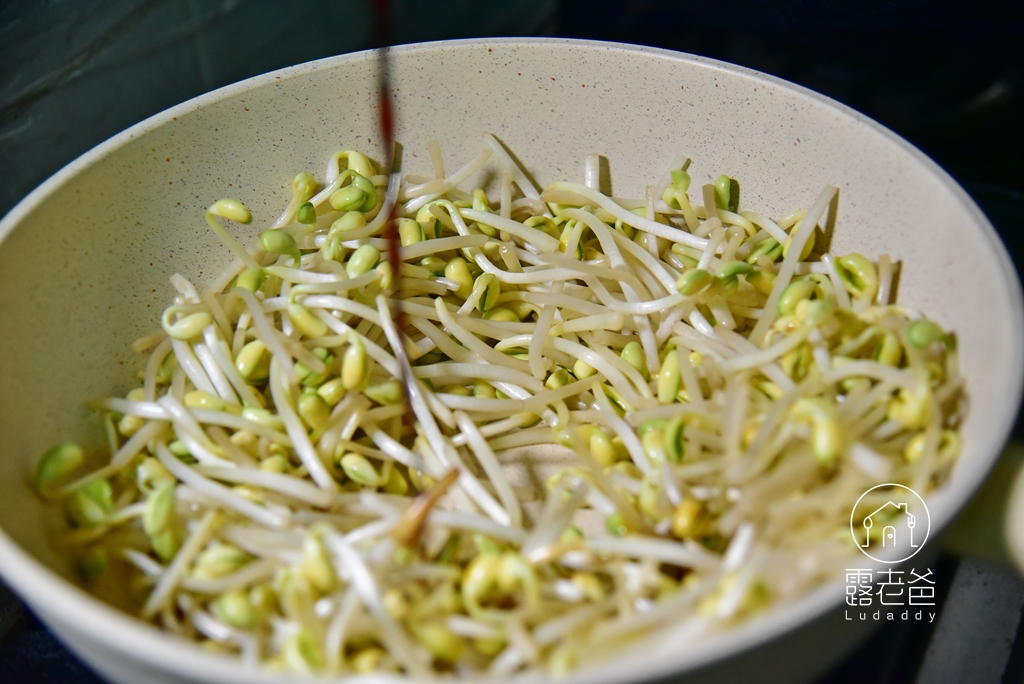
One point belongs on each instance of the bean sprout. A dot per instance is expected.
(697, 390)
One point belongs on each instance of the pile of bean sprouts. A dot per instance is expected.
(719, 393)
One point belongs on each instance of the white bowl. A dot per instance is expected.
(85, 260)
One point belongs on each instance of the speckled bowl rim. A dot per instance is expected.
(50, 594)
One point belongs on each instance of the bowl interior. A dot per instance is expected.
(86, 259)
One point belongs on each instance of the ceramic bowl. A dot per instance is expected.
(85, 261)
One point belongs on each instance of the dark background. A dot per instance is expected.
(948, 76)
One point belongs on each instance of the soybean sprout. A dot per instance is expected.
(633, 417)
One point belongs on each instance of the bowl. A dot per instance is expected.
(86, 259)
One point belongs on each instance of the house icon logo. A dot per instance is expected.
(890, 523)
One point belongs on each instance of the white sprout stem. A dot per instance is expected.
(870, 369)
(620, 364)
(373, 350)
(185, 288)
(635, 308)
(541, 435)
(147, 565)
(231, 450)
(191, 433)
(214, 372)
(334, 640)
(606, 321)
(617, 272)
(529, 235)
(650, 240)
(178, 379)
(164, 588)
(468, 521)
(624, 432)
(609, 632)
(549, 632)
(147, 342)
(334, 282)
(532, 278)
(703, 341)
(885, 273)
(655, 287)
(505, 208)
(679, 161)
(442, 449)
(735, 239)
(395, 450)
(659, 549)
(739, 547)
(800, 236)
(216, 492)
(220, 317)
(366, 586)
(631, 219)
(739, 343)
(491, 467)
(471, 302)
(503, 427)
(730, 219)
(736, 400)
(508, 255)
(818, 350)
(767, 225)
(765, 356)
(251, 573)
(471, 494)
(443, 342)
(842, 296)
(297, 431)
(473, 344)
(524, 183)
(428, 247)
(651, 263)
(222, 355)
(592, 171)
(155, 411)
(285, 484)
(123, 457)
(468, 627)
(436, 158)
(555, 517)
(869, 461)
(333, 302)
(231, 243)
(562, 301)
(390, 199)
(188, 362)
(592, 358)
(714, 242)
(266, 332)
(153, 365)
(438, 187)
(470, 371)
(241, 329)
(214, 629)
(433, 190)
(630, 290)
(719, 308)
(538, 364)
